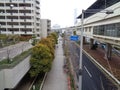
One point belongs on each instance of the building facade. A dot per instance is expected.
(45, 27)
(20, 17)
(100, 25)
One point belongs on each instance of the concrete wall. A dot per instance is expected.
(9, 78)
(2, 81)
(46, 27)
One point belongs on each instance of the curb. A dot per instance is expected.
(43, 81)
(116, 80)
(69, 83)
(32, 83)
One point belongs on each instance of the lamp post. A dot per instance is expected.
(81, 42)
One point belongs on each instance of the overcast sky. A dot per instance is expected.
(61, 12)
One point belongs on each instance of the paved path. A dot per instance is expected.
(14, 50)
(56, 78)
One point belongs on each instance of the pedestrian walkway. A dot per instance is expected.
(56, 78)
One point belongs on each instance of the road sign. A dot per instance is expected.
(74, 38)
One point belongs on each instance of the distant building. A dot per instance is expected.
(20, 17)
(45, 27)
(56, 28)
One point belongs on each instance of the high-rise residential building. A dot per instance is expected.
(45, 27)
(20, 17)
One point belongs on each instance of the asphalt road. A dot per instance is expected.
(92, 78)
(14, 50)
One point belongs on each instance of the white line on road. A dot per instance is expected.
(87, 71)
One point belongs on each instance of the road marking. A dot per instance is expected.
(87, 71)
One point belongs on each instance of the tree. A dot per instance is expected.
(55, 37)
(49, 44)
(41, 59)
(74, 32)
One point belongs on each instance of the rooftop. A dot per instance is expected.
(98, 5)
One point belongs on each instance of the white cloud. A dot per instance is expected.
(62, 11)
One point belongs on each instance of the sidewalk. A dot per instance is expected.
(56, 78)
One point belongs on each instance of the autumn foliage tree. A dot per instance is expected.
(43, 55)
(49, 43)
(41, 60)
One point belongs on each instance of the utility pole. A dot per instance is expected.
(81, 47)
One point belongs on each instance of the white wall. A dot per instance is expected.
(45, 25)
(9, 78)
(2, 81)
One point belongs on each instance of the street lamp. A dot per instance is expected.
(81, 42)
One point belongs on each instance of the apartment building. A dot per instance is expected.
(100, 25)
(20, 17)
(45, 27)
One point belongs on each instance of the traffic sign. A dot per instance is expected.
(74, 38)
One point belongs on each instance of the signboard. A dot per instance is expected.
(74, 38)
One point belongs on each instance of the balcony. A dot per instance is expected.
(29, 26)
(29, 14)
(21, 26)
(23, 8)
(37, 6)
(2, 13)
(9, 26)
(29, 33)
(16, 26)
(9, 8)
(29, 20)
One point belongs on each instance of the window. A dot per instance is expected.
(107, 30)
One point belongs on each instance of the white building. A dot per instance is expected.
(20, 17)
(101, 26)
(45, 27)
